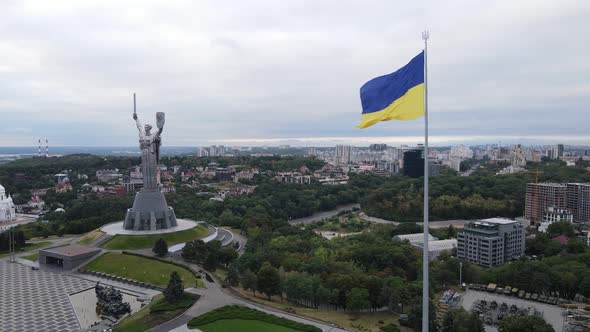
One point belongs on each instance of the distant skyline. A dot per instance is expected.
(288, 72)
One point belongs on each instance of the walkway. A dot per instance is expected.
(213, 297)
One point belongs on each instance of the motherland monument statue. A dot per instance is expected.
(150, 210)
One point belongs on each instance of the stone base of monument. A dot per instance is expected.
(116, 228)
(150, 212)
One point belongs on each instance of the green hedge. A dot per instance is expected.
(186, 301)
(240, 312)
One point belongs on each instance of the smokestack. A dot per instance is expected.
(39, 149)
(46, 148)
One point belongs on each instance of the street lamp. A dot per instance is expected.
(460, 274)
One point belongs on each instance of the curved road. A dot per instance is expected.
(324, 215)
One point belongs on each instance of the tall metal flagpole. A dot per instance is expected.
(425, 288)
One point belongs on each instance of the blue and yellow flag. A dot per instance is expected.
(396, 96)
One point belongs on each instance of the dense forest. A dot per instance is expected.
(455, 197)
(363, 272)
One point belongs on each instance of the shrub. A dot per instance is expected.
(240, 312)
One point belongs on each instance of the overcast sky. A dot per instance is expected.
(280, 71)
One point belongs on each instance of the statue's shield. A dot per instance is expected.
(160, 119)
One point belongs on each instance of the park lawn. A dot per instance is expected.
(31, 257)
(361, 321)
(157, 312)
(243, 325)
(139, 268)
(122, 242)
(27, 247)
(89, 237)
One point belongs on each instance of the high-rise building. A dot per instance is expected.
(342, 155)
(578, 201)
(574, 197)
(461, 151)
(414, 163)
(541, 196)
(455, 163)
(491, 242)
(555, 152)
(378, 147)
(518, 156)
(202, 152)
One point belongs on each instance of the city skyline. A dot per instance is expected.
(223, 73)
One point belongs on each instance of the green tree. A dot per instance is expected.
(174, 289)
(249, 281)
(233, 275)
(357, 299)
(524, 324)
(195, 251)
(160, 248)
(561, 228)
(585, 286)
(459, 320)
(268, 281)
(576, 246)
(211, 262)
(227, 255)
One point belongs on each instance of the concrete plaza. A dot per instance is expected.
(35, 300)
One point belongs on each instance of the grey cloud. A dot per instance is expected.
(287, 69)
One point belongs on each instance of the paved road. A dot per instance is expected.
(213, 297)
(324, 215)
(432, 224)
(365, 217)
(328, 214)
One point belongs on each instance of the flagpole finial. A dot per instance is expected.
(425, 35)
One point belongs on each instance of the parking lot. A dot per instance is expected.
(553, 314)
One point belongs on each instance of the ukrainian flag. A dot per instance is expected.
(397, 96)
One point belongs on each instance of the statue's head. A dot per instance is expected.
(148, 128)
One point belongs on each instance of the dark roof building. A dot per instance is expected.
(66, 256)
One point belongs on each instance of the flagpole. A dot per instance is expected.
(425, 288)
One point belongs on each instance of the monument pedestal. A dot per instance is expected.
(149, 212)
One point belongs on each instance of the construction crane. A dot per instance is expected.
(534, 212)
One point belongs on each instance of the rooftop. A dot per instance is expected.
(439, 245)
(550, 184)
(500, 221)
(414, 238)
(72, 250)
(561, 239)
